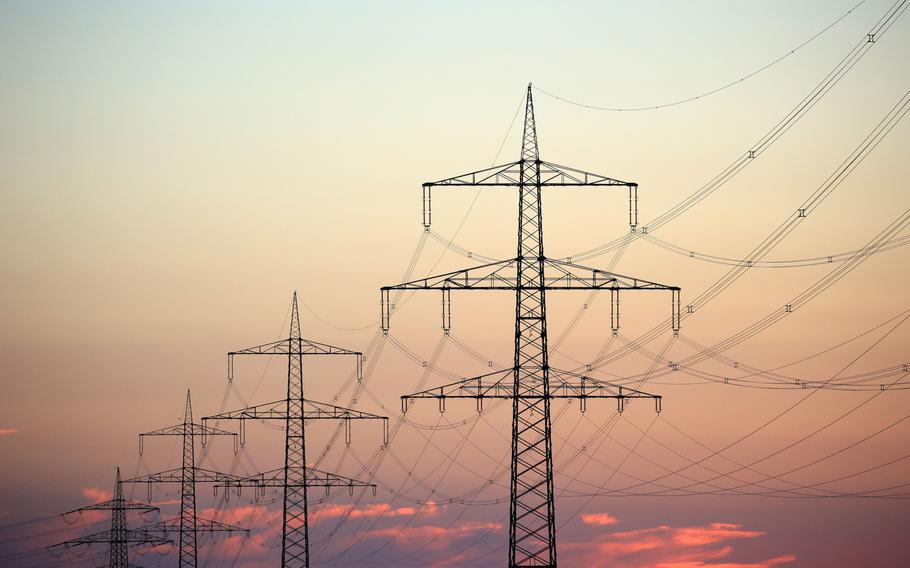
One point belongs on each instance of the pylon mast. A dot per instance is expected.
(531, 383)
(119, 537)
(187, 525)
(295, 477)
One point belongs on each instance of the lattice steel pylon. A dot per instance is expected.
(119, 537)
(187, 525)
(531, 383)
(295, 477)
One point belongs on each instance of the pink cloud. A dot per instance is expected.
(441, 537)
(96, 495)
(715, 532)
(602, 519)
(664, 546)
(7, 431)
(251, 517)
(375, 510)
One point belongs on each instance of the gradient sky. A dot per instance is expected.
(171, 172)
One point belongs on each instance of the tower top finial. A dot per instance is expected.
(188, 412)
(118, 487)
(295, 318)
(529, 149)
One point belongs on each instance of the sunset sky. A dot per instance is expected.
(172, 172)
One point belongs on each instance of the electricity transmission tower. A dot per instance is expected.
(294, 410)
(187, 525)
(531, 383)
(119, 537)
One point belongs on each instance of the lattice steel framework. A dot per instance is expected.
(119, 537)
(531, 384)
(187, 525)
(295, 477)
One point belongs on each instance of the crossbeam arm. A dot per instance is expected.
(297, 346)
(202, 525)
(175, 475)
(284, 346)
(314, 478)
(551, 175)
(132, 537)
(501, 275)
(556, 175)
(509, 175)
(202, 430)
(501, 385)
(114, 504)
(312, 410)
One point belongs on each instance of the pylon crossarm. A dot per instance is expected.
(312, 410)
(131, 537)
(176, 475)
(565, 275)
(502, 175)
(550, 175)
(487, 276)
(487, 385)
(202, 525)
(314, 478)
(501, 385)
(284, 347)
(192, 429)
(562, 275)
(556, 175)
(115, 504)
(268, 411)
(567, 384)
(500, 275)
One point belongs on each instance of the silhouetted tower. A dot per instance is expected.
(531, 383)
(295, 477)
(119, 537)
(187, 525)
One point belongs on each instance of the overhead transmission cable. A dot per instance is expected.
(844, 66)
(792, 263)
(881, 130)
(777, 417)
(840, 70)
(711, 91)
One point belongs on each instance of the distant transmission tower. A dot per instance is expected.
(295, 477)
(531, 383)
(187, 525)
(120, 538)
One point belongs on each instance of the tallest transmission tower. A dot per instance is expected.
(531, 383)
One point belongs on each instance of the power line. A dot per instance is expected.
(716, 89)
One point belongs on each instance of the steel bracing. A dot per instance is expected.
(531, 384)
(295, 477)
(187, 525)
(119, 537)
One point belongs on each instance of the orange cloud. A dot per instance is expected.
(247, 516)
(707, 546)
(715, 532)
(601, 519)
(96, 495)
(375, 510)
(7, 431)
(441, 537)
